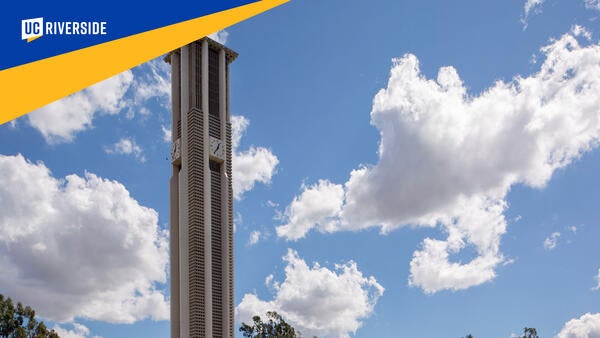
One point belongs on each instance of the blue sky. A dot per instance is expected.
(424, 169)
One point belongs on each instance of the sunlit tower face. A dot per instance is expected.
(201, 219)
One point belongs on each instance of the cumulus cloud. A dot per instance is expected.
(255, 236)
(592, 4)
(316, 300)
(257, 164)
(78, 331)
(550, 241)
(152, 82)
(530, 5)
(166, 133)
(578, 30)
(597, 287)
(449, 158)
(220, 36)
(126, 146)
(79, 246)
(61, 120)
(318, 206)
(479, 223)
(128, 92)
(586, 326)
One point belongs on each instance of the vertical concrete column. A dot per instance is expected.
(184, 308)
(174, 198)
(224, 195)
(207, 206)
(222, 94)
(230, 218)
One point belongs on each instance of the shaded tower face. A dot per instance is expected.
(201, 197)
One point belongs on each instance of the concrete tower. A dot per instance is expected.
(201, 192)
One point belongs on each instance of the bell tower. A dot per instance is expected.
(201, 197)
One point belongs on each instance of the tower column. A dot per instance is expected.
(201, 219)
(184, 288)
(227, 297)
(207, 206)
(174, 195)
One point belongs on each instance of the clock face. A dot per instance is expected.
(217, 149)
(176, 151)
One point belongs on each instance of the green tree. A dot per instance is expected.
(530, 332)
(274, 327)
(20, 322)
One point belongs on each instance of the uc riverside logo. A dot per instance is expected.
(32, 29)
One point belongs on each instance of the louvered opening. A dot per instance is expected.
(214, 126)
(196, 223)
(216, 248)
(230, 226)
(198, 77)
(213, 82)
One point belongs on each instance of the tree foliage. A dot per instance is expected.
(20, 322)
(530, 332)
(274, 327)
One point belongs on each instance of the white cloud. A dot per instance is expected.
(61, 120)
(220, 36)
(129, 91)
(255, 236)
(152, 81)
(79, 246)
(238, 219)
(166, 134)
(257, 164)
(127, 146)
(581, 31)
(78, 331)
(239, 124)
(533, 59)
(318, 206)
(586, 326)
(269, 280)
(535, 6)
(550, 241)
(449, 158)
(529, 6)
(316, 300)
(478, 222)
(573, 229)
(592, 4)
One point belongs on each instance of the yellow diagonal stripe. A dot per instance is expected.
(33, 85)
